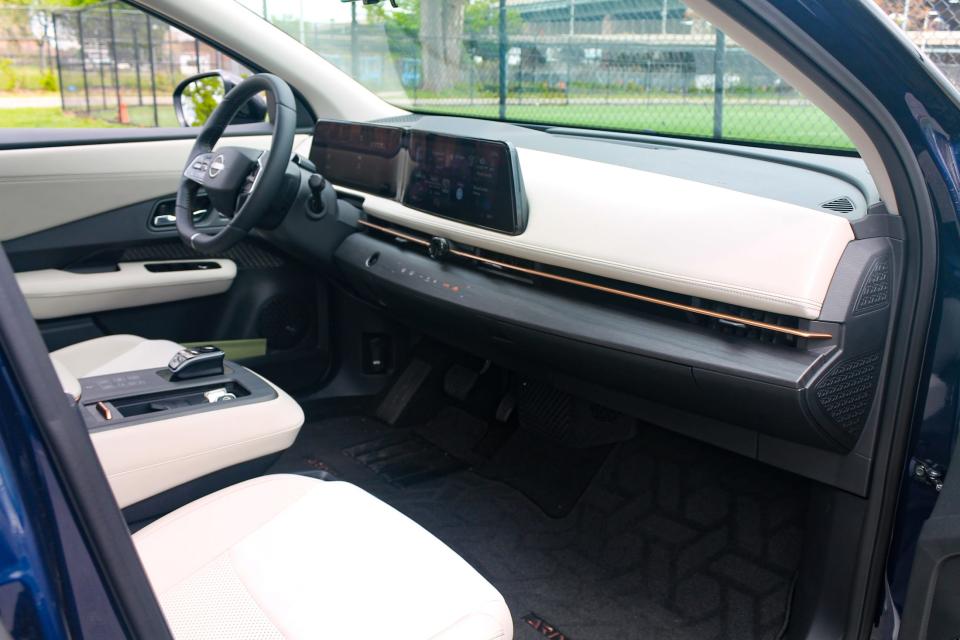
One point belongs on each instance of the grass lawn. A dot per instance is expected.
(801, 125)
(55, 118)
(49, 117)
(775, 123)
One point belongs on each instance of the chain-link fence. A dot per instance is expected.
(116, 63)
(934, 26)
(26, 50)
(635, 65)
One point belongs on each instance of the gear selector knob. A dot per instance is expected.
(196, 362)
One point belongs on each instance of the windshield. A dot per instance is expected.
(650, 66)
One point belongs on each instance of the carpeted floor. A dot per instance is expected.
(672, 539)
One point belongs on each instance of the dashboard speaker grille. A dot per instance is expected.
(875, 291)
(846, 392)
(843, 204)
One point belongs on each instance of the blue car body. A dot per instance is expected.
(49, 587)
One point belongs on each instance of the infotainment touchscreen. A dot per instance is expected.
(361, 156)
(469, 180)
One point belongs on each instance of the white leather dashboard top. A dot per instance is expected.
(660, 231)
(52, 293)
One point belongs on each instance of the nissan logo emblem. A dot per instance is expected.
(216, 166)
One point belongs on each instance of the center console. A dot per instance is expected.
(135, 397)
(159, 429)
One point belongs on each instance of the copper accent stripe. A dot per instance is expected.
(104, 411)
(599, 287)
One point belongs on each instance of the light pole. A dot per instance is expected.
(303, 35)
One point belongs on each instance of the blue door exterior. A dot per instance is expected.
(46, 579)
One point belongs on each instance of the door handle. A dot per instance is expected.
(166, 220)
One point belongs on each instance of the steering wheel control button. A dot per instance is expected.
(439, 248)
(199, 168)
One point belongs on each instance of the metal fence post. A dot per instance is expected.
(354, 43)
(83, 58)
(503, 60)
(136, 60)
(56, 43)
(718, 73)
(153, 73)
(103, 85)
(173, 68)
(520, 78)
(113, 54)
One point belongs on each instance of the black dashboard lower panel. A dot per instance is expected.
(756, 385)
(756, 398)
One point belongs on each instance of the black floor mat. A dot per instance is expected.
(550, 474)
(673, 539)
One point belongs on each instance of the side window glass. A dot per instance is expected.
(98, 65)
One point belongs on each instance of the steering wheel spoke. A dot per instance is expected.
(250, 183)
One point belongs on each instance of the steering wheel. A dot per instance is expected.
(241, 183)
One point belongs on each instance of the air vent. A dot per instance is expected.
(843, 204)
(745, 331)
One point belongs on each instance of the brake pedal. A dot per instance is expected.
(459, 381)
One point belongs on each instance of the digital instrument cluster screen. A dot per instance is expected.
(471, 181)
(360, 156)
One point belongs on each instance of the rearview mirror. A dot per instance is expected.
(196, 97)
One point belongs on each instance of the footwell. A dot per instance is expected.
(672, 539)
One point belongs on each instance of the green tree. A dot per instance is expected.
(35, 20)
(440, 28)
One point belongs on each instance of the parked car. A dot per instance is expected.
(328, 363)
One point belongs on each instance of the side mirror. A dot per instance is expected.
(196, 97)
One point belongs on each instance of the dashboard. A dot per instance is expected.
(735, 294)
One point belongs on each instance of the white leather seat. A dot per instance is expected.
(286, 556)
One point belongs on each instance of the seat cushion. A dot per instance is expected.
(286, 556)
(114, 354)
